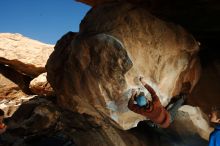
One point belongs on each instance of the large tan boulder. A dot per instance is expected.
(23, 54)
(94, 71)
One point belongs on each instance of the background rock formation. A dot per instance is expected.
(100, 63)
(23, 54)
(18, 78)
(8, 89)
(21, 59)
(40, 86)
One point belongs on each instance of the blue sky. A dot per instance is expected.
(43, 20)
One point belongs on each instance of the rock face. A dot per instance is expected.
(93, 71)
(11, 96)
(21, 59)
(23, 54)
(41, 122)
(9, 106)
(34, 116)
(191, 120)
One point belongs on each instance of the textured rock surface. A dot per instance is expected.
(40, 121)
(9, 106)
(34, 116)
(10, 96)
(23, 54)
(192, 120)
(93, 71)
(40, 86)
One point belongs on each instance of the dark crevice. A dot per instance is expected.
(21, 80)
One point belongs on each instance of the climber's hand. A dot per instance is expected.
(141, 78)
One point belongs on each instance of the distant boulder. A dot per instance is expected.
(23, 54)
(40, 85)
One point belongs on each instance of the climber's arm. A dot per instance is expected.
(150, 89)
